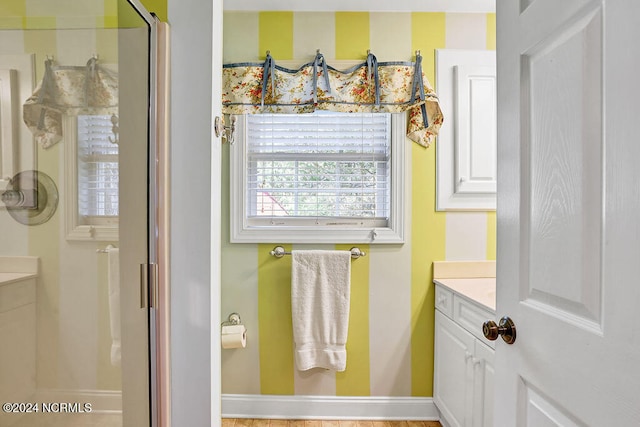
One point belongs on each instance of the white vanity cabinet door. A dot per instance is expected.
(17, 343)
(463, 366)
(483, 385)
(453, 371)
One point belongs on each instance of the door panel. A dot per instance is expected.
(567, 213)
(76, 301)
(563, 153)
(540, 411)
(133, 161)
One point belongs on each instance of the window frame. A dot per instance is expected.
(242, 232)
(76, 228)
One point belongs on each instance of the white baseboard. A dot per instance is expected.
(102, 401)
(328, 407)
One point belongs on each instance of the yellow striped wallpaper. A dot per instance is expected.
(390, 344)
(428, 226)
(276, 34)
(352, 35)
(491, 216)
(275, 326)
(354, 381)
(491, 31)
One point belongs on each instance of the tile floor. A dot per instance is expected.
(241, 422)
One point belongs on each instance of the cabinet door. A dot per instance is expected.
(453, 371)
(483, 385)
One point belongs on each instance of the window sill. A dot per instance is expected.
(305, 235)
(93, 233)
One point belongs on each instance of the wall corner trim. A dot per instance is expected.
(329, 407)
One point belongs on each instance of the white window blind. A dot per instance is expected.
(323, 168)
(97, 167)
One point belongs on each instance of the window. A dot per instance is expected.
(322, 177)
(92, 181)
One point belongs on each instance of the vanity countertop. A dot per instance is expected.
(481, 290)
(13, 269)
(7, 278)
(475, 280)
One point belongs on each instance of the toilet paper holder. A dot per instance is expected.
(232, 319)
(233, 333)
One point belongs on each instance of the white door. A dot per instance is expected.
(568, 212)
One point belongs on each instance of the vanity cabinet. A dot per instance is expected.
(463, 371)
(17, 332)
(18, 341)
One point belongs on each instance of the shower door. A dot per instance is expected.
(77, 215)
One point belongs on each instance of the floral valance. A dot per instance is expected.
(70, 90)
(253, 88)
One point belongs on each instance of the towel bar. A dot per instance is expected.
(279, 252)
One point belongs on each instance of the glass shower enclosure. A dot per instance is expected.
(77, 213)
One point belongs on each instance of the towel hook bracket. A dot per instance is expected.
(224, 131)
(278, 252)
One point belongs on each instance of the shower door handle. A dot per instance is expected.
(148, 285)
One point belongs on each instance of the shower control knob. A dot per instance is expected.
(506, 328)
(12, 198)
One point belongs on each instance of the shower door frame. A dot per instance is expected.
(158, 221)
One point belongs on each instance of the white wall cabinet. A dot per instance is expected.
(467, 141)
(463, 371)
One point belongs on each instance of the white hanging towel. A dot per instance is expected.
(113, 279)
(320, 288)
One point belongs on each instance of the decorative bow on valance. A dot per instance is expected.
(70, 90)
(372, 86)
